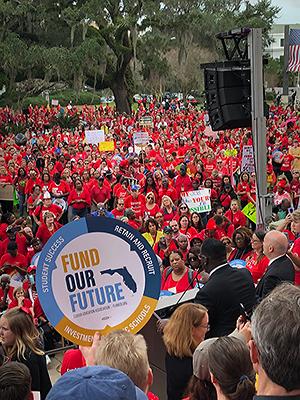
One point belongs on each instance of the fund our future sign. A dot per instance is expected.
(197, 200)
(85, 285)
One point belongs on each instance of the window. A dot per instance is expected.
(281, 42)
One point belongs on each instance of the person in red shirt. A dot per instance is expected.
(286, 165)
(100, 193)
(167, 190)
(257, 263)
(150, 207)
(47, 228)
(47, 205)
(294, 251)
(15, 234)
(21, 299)
(235, 215)
(79, 200)
(165, 245)
(185, 227)
(119, 210)
(32, 182)
(135, 201)
(243, 188)
(177, 280)
(59, 188)
(183, 182)
(13, 262)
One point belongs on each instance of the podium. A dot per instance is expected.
(156, 348)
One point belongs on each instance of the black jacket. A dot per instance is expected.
(179, 371)
(225, 289)
(280, 270)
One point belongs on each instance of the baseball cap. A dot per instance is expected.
(97, 382)
(167, 229)
(211, 225)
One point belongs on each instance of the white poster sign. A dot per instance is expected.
(197, 200)
(94, 136)
(248, 160)
(140, 138)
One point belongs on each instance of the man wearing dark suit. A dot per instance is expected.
(280, 269)
(225, 289)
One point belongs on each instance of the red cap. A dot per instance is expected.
(282, 184)
(72, 359)
(211, 225)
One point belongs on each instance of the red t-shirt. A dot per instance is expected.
(100, 195)
(181, 285)
(136, 204)
(26, 303)
(19, 261)
(257, 269)
(296, 250)
(237, 219)
(44, 234)
(84, 195)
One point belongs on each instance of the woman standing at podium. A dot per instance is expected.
(184, 331)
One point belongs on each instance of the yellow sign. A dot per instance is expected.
(230, 153)
(107, 146)
(250, 211)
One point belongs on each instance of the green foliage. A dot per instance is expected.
(107, 42)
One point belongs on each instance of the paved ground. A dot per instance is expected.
(54, 367)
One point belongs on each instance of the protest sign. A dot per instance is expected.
(54, 102)
(197, 200)
(140, 138)
(250, 211)
(230, 153)
(146, 121)
(97, 274)
(107, 146)
(6, 191)
(248, 160)
(94, 136)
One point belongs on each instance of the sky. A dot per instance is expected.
(290, 11)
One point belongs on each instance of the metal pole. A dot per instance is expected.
(255, 52)
(286, 61)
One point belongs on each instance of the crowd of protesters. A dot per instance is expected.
(57, 177)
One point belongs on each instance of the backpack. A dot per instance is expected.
(190, 275)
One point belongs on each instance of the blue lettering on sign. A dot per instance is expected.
(97, 296)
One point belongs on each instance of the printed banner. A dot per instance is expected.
(146, 121)
(197, 200)
(140, 138)
(6, 191)
(97, 274)
(250, 211)
(94, 136)
(107, 146)
(248, 160)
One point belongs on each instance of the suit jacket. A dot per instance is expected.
(225, 289)
(280, 270)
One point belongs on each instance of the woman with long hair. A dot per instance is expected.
(231, 369)
(150, 207)
(20, 183)
(20, 342)
(257, 263)
(184, 331)
(185, 227)
(152, 234)
(168, 208)
(243, 188)
(79, 200)
(196, 222)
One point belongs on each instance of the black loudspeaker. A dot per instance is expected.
(228, 94)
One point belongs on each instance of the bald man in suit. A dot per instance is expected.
(280, 268)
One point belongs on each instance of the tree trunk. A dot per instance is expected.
(120, 92)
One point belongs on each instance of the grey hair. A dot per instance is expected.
(275, 329)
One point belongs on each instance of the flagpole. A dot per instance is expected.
(286, 61)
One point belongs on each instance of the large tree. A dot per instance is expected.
(103, 41)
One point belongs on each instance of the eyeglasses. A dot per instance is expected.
(226, 242)
(207, 326)
(183, 208)
(192, 259)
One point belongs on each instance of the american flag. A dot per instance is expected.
(294, 47)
